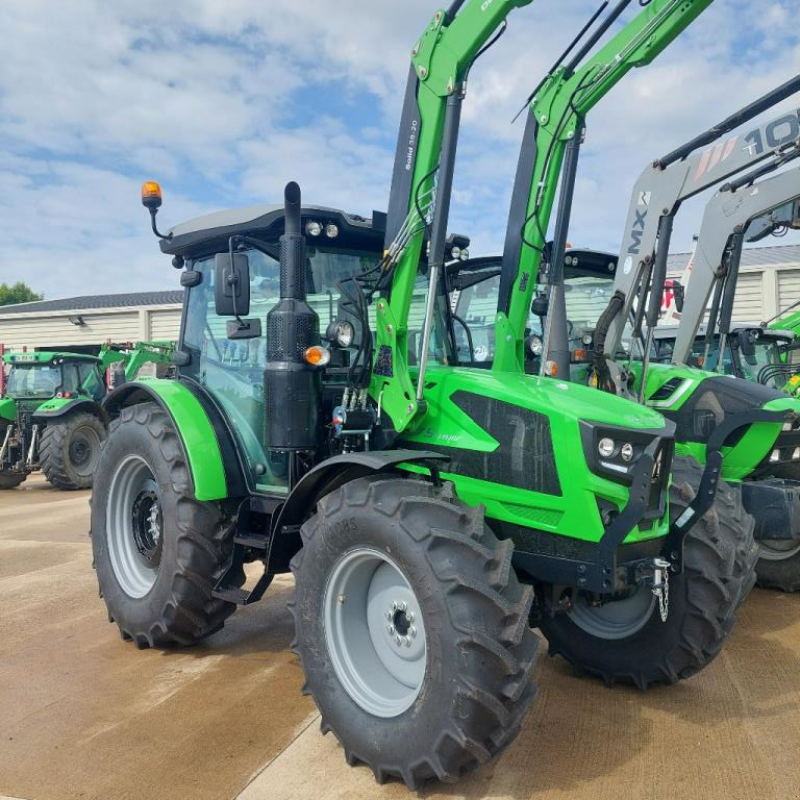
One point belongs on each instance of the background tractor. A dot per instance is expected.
(51, 410)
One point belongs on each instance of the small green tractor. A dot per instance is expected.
(432, 512)
(51, 410)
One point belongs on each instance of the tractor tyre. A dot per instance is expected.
(69, 451)
(778, 565)
(158, 552)
(10, 480)
(625, 641)
(412, 629)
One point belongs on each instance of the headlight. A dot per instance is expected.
(341, 333)
(606, 447)
(616, 452)
(331, 230)
(536, 345)
(586, 339)
(455, 252)
(313, 228)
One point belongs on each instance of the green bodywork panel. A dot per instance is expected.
(741, 459)
(8, 409)
(791, 322)
(574, 512)
(56, 405)
(136, 356)
(197, 434)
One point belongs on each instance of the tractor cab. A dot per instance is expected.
(36, 377)
(761, 355)
(232, 278)
(475, 284)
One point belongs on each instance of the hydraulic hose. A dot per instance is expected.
(613, 309)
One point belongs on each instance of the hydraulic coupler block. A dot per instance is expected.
(292, 386)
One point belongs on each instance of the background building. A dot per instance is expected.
(83, 324)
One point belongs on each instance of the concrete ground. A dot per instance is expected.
(85, 715)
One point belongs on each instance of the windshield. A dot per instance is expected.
(33, 380)
(476, 307)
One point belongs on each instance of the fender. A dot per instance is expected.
(322, 480)
(60, 406)
(8, 409)
(199, 437)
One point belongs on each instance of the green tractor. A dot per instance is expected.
(51, 410)
(320, 422)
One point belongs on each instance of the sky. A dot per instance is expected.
(223, 103)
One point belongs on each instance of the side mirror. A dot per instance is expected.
(747, 346)
(679, 293)
(232, 285)
(244, 329)
(540, 305)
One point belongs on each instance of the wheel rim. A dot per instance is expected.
(84, 450)
(375, 633)
(618, 619)
(134, 524)
(777, 550)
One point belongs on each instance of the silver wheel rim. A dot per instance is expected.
(777, 550)
(374, 632)
(84, 450)
(134, 526)
(617, 619)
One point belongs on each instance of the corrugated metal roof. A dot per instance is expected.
(751, 257)
(94, 302)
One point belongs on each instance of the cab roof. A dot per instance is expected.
(210, 233)
(45, 357)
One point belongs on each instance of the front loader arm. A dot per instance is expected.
(727, 214)
(556, 117)
(441, 60)
(667, 182)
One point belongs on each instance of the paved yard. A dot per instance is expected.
(85, 715)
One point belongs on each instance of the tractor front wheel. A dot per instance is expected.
(412, 629)
(158, 552)
(69, 451)
(623, 639)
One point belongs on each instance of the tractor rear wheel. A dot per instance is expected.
(412, 629)
(624, 640)
(69, 451)
(778, 565)
(158, 552)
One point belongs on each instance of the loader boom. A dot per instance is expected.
(668, 182)
(555, 120)
(726, 221)
(421, 185)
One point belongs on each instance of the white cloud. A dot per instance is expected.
(227, 101)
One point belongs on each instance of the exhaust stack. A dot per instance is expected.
(292, 387)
